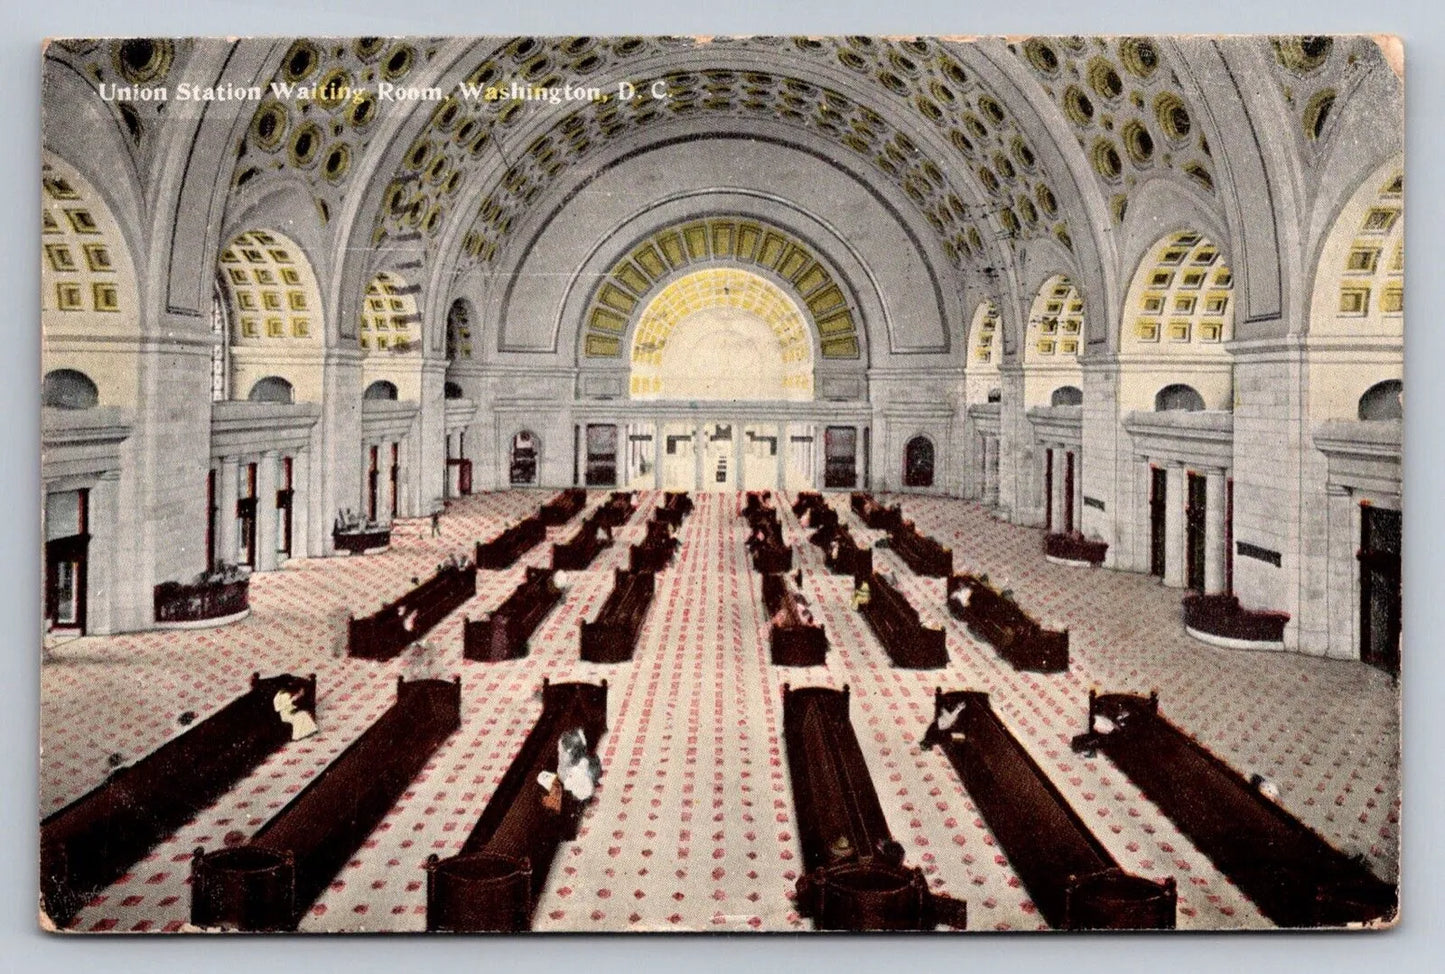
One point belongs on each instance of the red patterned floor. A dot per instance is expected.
(692, 828)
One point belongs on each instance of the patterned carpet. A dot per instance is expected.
(693, 825)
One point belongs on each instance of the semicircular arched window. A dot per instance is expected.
(69, 389)
(1178, 398)
(453, 391)
(380, 389)
(1067, 396)
(1383, 401)
(273, 388)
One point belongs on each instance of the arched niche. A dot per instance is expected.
(1053, 339)
(389, 333)
(1067, 396)
(1178, 315)
(1178, 397)
(271, 309)
(89, 288)
(381, 389)
(273, 388)
(69, 389)
(1359, 297)
(525, 459)
(722, 333)
(1383, 401)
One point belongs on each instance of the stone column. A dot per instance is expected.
(782, 456)
(659, 451)
(1078, 491)
(699, 438)
(102, 555)
(1343, 592)
(228, 487)
(266, 481)
(1055, 500)
(1174, 527)
(990, 471)
(300, 505)
(1214, 550)
(740, 449)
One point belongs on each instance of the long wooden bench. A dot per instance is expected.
(853, 875)
(792, 641)
(271, 881)
(844, 557)
(579, 551)
(825, 521)
(91, 842)
(396, 625)
(808, 500)
(494, 883)
(656, 550)
(920, 552)
(612, 637)
(1070, 876)
(503, 550)
(564, 507)
(675, 506)
(998, 621)
(1293, 876)
(909, 643)
(618, 509)
(874, 514)
(503, 634)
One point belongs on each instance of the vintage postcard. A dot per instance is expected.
(721, 484)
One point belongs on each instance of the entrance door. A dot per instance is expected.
(372, 475)
(1380, 588)
(285, 499)
(246, 517)
(678, 457)
(759, 449)
(1069, 474)
(601, 455)
(840, 457)
(1049, 491)
(66, 549)
(1194, 534)
(719, 466)
(1158, 491)
(918, 462)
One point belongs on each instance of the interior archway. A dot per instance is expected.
(273, 313)
(722, 317)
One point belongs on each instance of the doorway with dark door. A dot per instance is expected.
(67, 543)
(1380, 587)
(1158, 499)
(1194, 514)
(840, 457)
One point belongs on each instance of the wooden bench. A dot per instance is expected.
(396, 625)
(494, 883)
(846, 558)
(676, 505)
(503, 550)
(618, 509)
(1293, 876)
(612, 637)
(656, 550)
(503, 634)
(1067, 871)
(579, 551)
(853, 876)
(921, 553)
(894, 620)
(874, 514)
(998, 621)
(270, 882)
(562, 508)
(792, 641)
(825, 520)
(808, 500)
(91, 842)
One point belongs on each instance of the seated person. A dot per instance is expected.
(861, 595)
(961, 596)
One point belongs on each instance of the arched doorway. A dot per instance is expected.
(523, 468)
(918, 462)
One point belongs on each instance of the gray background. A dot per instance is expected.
(1415, 945)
